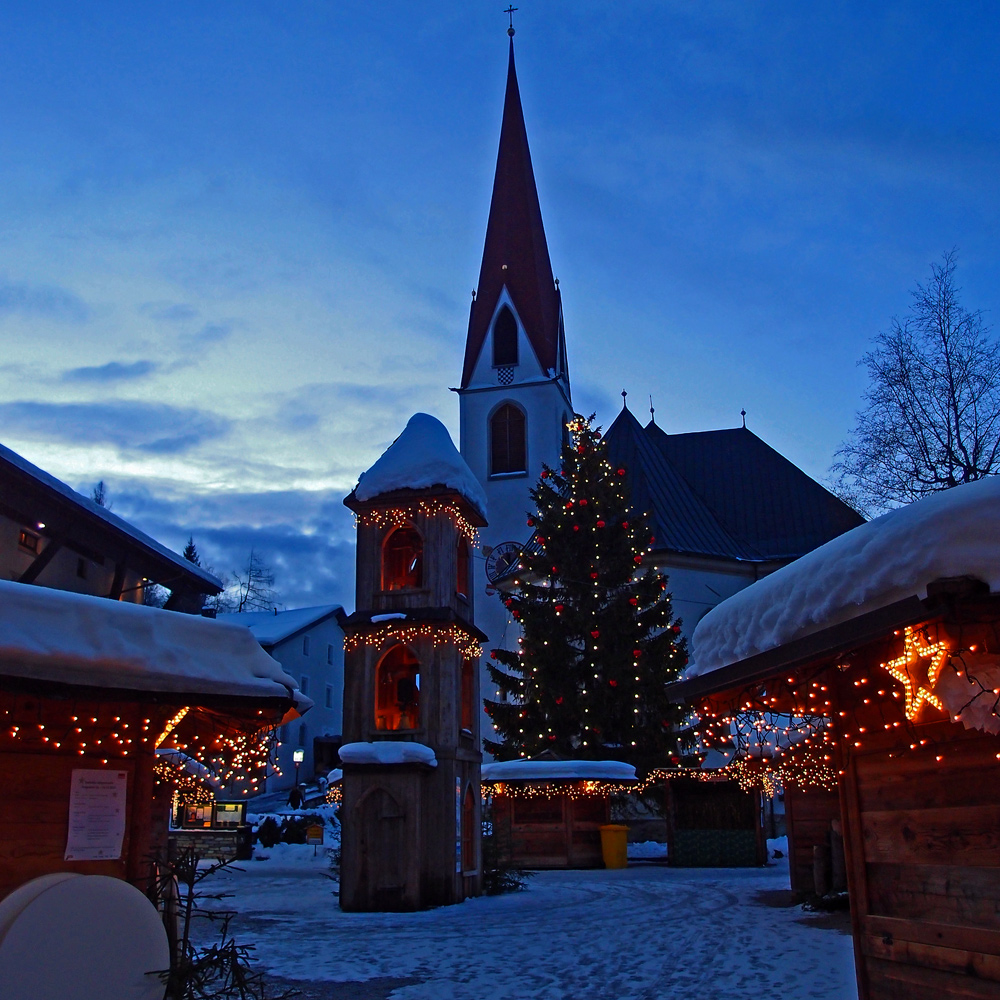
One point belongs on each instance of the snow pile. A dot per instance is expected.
(387, 752)
(52, 635)
(422, 456)
(950, 534)
(557, 770)
(648, 850)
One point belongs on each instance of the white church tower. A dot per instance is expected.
(515, 395)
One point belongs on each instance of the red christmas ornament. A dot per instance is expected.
(637, 560)
(569, 506)
(600, 524)
(625, 525)
(545, 473)
(539, 539)
(634, 601)
(676, 629)
(555, 569)
(652, 539)
(621, 472)
(613, 683)
(559, 700)
(493, 654)
(531, 522)
(576, 527)
(595, 633)
(580, 448)
(583, 501)
(597, 435)
(637, 653)
(552, 737)
(560, 607)
(593, 576)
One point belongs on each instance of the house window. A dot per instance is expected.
(329, 654)
(403, 560)
(505, 339)
(468, 692)
(28, 540)
(462, 569)
(304, 685)
(305, 645)
(397, 690)
(507, 443)
(328, 701)
(468, 831)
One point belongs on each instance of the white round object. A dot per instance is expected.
(87, 938)
(13, 904)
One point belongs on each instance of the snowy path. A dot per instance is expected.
(644, 933)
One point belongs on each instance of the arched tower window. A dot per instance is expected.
(468, 692)
(462, 568)
(507, 440)
(397, 690)
(468, 832)
(403, 560)
(505, 338)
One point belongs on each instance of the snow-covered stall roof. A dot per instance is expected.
(270, 627)
(558, 770)
(951, 534)
(89, 508)
(422, 456)
(387, 752)
(52, 635)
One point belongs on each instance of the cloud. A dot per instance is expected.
(113, 371)
(210, 333)
(42, 300)
(153, 428)
(169, 312)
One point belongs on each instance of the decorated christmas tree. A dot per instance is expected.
(599, 640)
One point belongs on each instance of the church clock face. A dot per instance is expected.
(501, 559)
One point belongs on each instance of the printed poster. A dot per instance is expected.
(96, 815)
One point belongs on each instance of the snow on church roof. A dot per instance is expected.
(51, 635)
(422, 456)
(951, 534)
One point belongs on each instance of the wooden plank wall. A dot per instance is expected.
(809, 813)
(923, 842)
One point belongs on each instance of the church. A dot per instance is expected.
(726, 508)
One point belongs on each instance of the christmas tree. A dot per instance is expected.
(599, 640)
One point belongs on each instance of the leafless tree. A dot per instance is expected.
(932, 419)
(253, 585)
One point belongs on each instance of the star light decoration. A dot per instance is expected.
(907, 670)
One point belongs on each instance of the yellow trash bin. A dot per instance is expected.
(614, 845)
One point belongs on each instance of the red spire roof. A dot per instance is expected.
(515, 238)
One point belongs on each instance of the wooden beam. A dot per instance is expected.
(30, 575)
(118, 582)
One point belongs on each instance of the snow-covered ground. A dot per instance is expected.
(641, 933)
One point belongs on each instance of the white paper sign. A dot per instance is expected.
(96, 815)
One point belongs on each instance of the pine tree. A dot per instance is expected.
(599, 641)
(191, 551)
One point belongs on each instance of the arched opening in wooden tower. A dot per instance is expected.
(468, 832)
(468, 692)
(397, 690)
(403, 560)
(507, 440)
(462, 568)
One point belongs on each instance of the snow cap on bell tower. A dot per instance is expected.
(516, 255)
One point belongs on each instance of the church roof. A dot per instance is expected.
(724, 493)
(515, 254)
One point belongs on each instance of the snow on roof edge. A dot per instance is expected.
(558, 770)
(388, 752)
(955, 533)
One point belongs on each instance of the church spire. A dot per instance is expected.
(515, 254)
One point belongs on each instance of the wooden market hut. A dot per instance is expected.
(874, 662)
(548, 813)
(89, 689)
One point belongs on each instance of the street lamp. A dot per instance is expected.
(298, 756)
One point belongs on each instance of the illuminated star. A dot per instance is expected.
(906, 670)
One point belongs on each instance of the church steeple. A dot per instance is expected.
(516, 255)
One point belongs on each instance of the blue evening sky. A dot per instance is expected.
(237, 240)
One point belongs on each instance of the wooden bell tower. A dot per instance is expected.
(411, 810)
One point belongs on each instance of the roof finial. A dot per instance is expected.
(652, 412)
(510, 13)
(743, 414)
(624, 402)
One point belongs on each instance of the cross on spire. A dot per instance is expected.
(510, 14)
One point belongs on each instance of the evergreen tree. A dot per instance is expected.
(191, 551)
(599, 641)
